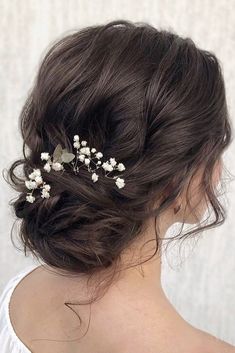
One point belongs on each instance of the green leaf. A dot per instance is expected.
(57, 154)
(67, 157)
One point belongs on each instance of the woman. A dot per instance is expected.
(125, 129)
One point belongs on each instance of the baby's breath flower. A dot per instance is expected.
(47, 187)
(45, 194)
(30, 198)
(76, 138)
(60, 154)
(37, 172)
(85, 150)
(94, 177)
(31, 175)
(45, 156)
(121, 167)
(120, 183)
(47, 167)
(87, 161)
(30, 184)
(38, 180)
(76, 144)
(99, 155)
(107, 166)
(81, 157)
(57, 166)
(112, 161)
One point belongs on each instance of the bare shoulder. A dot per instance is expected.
(167, 332)
(212, 344)
(39, 316)
(132, 326)
(174, 341)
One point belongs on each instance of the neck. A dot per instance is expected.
(145, 273)
(140, 271)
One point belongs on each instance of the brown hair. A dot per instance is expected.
(149, 98)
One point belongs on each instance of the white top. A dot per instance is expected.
(9, 341)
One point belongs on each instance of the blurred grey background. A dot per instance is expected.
(200, 280)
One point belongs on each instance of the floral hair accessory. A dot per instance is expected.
(83, 154)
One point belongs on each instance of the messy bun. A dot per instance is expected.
(148, 97)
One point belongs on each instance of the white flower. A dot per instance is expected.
(30, 184)
(47, 167)
(34, 183)
(84, 143)
(81, 157)
(87, 161)
(85, 150)
(93, 150)
(112, 161)
(57, 166)
(37, 172)
(76, 138)
(107, 166)
(31, 175)
(99, 155)
(38, 179)
(120, 183)
(47, 187)
(76, 144)
(30, 198)
(99, 162)
(45, 194)
(45, 156)
(121, 167)
(94, 177)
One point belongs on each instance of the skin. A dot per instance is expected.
(142, 321)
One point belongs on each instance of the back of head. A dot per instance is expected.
(149, 98)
